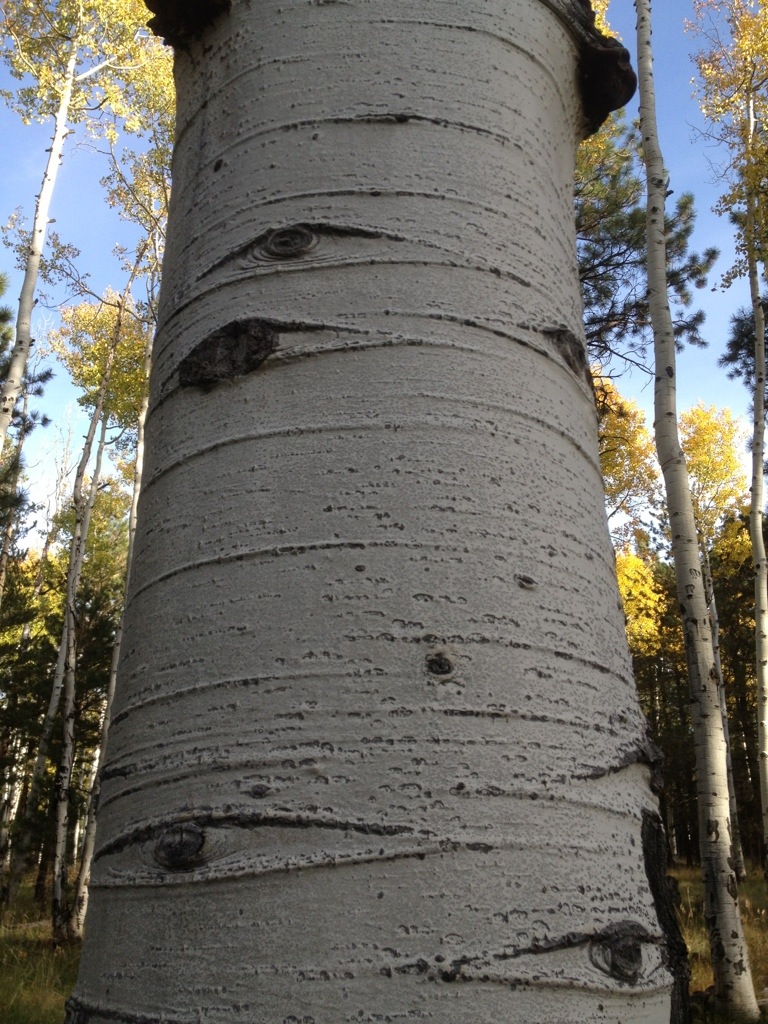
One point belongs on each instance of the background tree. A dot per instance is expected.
(610, 220)
(733, 74)
(733, 983)
(70, 50)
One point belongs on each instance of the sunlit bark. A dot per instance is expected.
(730, 960)
(376, 752)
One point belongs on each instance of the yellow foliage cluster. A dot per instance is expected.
(733, 75)
(95, 337)
(103, 42)
(643, 601)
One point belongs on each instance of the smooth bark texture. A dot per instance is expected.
(757, 503)
(79, 903)
(83, 502)
(376, 752)
(730, 961)
(737, 852)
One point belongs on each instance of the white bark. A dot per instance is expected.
(757, 502)
(79, 906)
(730, 960)
(737, 852)
(83, 502)
(376, 752)
(23, 342)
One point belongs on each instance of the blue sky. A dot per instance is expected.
(83, 218)
(691, 160)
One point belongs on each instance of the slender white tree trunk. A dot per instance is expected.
(83, 509)
(79, 906)
(376, 752)
(714, 624)
(23, 342)
(730, 961)
(12, 484)
(757, 505)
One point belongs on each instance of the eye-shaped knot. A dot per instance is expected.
(288, 243)
(618, 951)
(179, 847)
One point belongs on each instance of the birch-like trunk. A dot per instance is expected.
(12, 487)
(79, 902)
(730, 961)
(83, 502)
(757, 504)
(23, 341)
(376, 752)
(737, 852)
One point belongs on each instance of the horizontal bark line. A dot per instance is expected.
(560, 793)
(378, 336)
(80, 1011)
(367, 427)
(274, 551)
(492, 838)
(257, 256)
(210, 686)
(116, 879)
(431, 234)
(169, 769)
(505, 41)
(306, 292)
(308, 264)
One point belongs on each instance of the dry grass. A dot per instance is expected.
(753, 897)
(35, 978)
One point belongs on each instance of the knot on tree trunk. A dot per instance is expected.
(180, 21)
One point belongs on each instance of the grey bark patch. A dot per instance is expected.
(238, 348)
(80, 1012)
(181, 21)
(665, 900)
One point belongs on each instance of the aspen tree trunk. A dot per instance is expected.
(83, 504)
(23, 342)
(7, 541)
(79, 905)
(376, 752)
(730, 962)
(757, 503)
(83, 510)
(20, 845)
(737, 852)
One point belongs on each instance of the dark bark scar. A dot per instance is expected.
(665, 900)
(181, 21)
(233, 350)
(606, 78)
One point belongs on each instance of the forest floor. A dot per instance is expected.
(36, 979)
